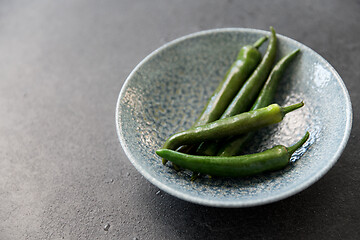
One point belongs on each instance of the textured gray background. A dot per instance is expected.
(63, 173)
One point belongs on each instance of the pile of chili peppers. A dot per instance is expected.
(240, 105)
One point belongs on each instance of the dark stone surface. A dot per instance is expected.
(63, 173)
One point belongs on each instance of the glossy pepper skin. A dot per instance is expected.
(234, 145)
(235, 125)
(246, 61)
(237, 166)
(248, 92)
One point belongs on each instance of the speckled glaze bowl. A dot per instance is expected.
(166, 91)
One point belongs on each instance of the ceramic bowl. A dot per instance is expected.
(166, 91)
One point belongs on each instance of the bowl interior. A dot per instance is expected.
(167, 91)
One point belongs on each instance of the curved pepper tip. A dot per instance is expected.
(160, 153)
(260, 41)
(272, 29)
(293, 107)
(298, 144)
(296, 51)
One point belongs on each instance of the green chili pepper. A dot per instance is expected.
(272, 159)
(235, 125)
(247, 60)
(248, 92)
(234, 145)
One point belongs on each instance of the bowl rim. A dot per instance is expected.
(235, 203)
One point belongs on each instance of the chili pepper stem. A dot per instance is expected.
(293, 107)
(259, 42)
(297, 145)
